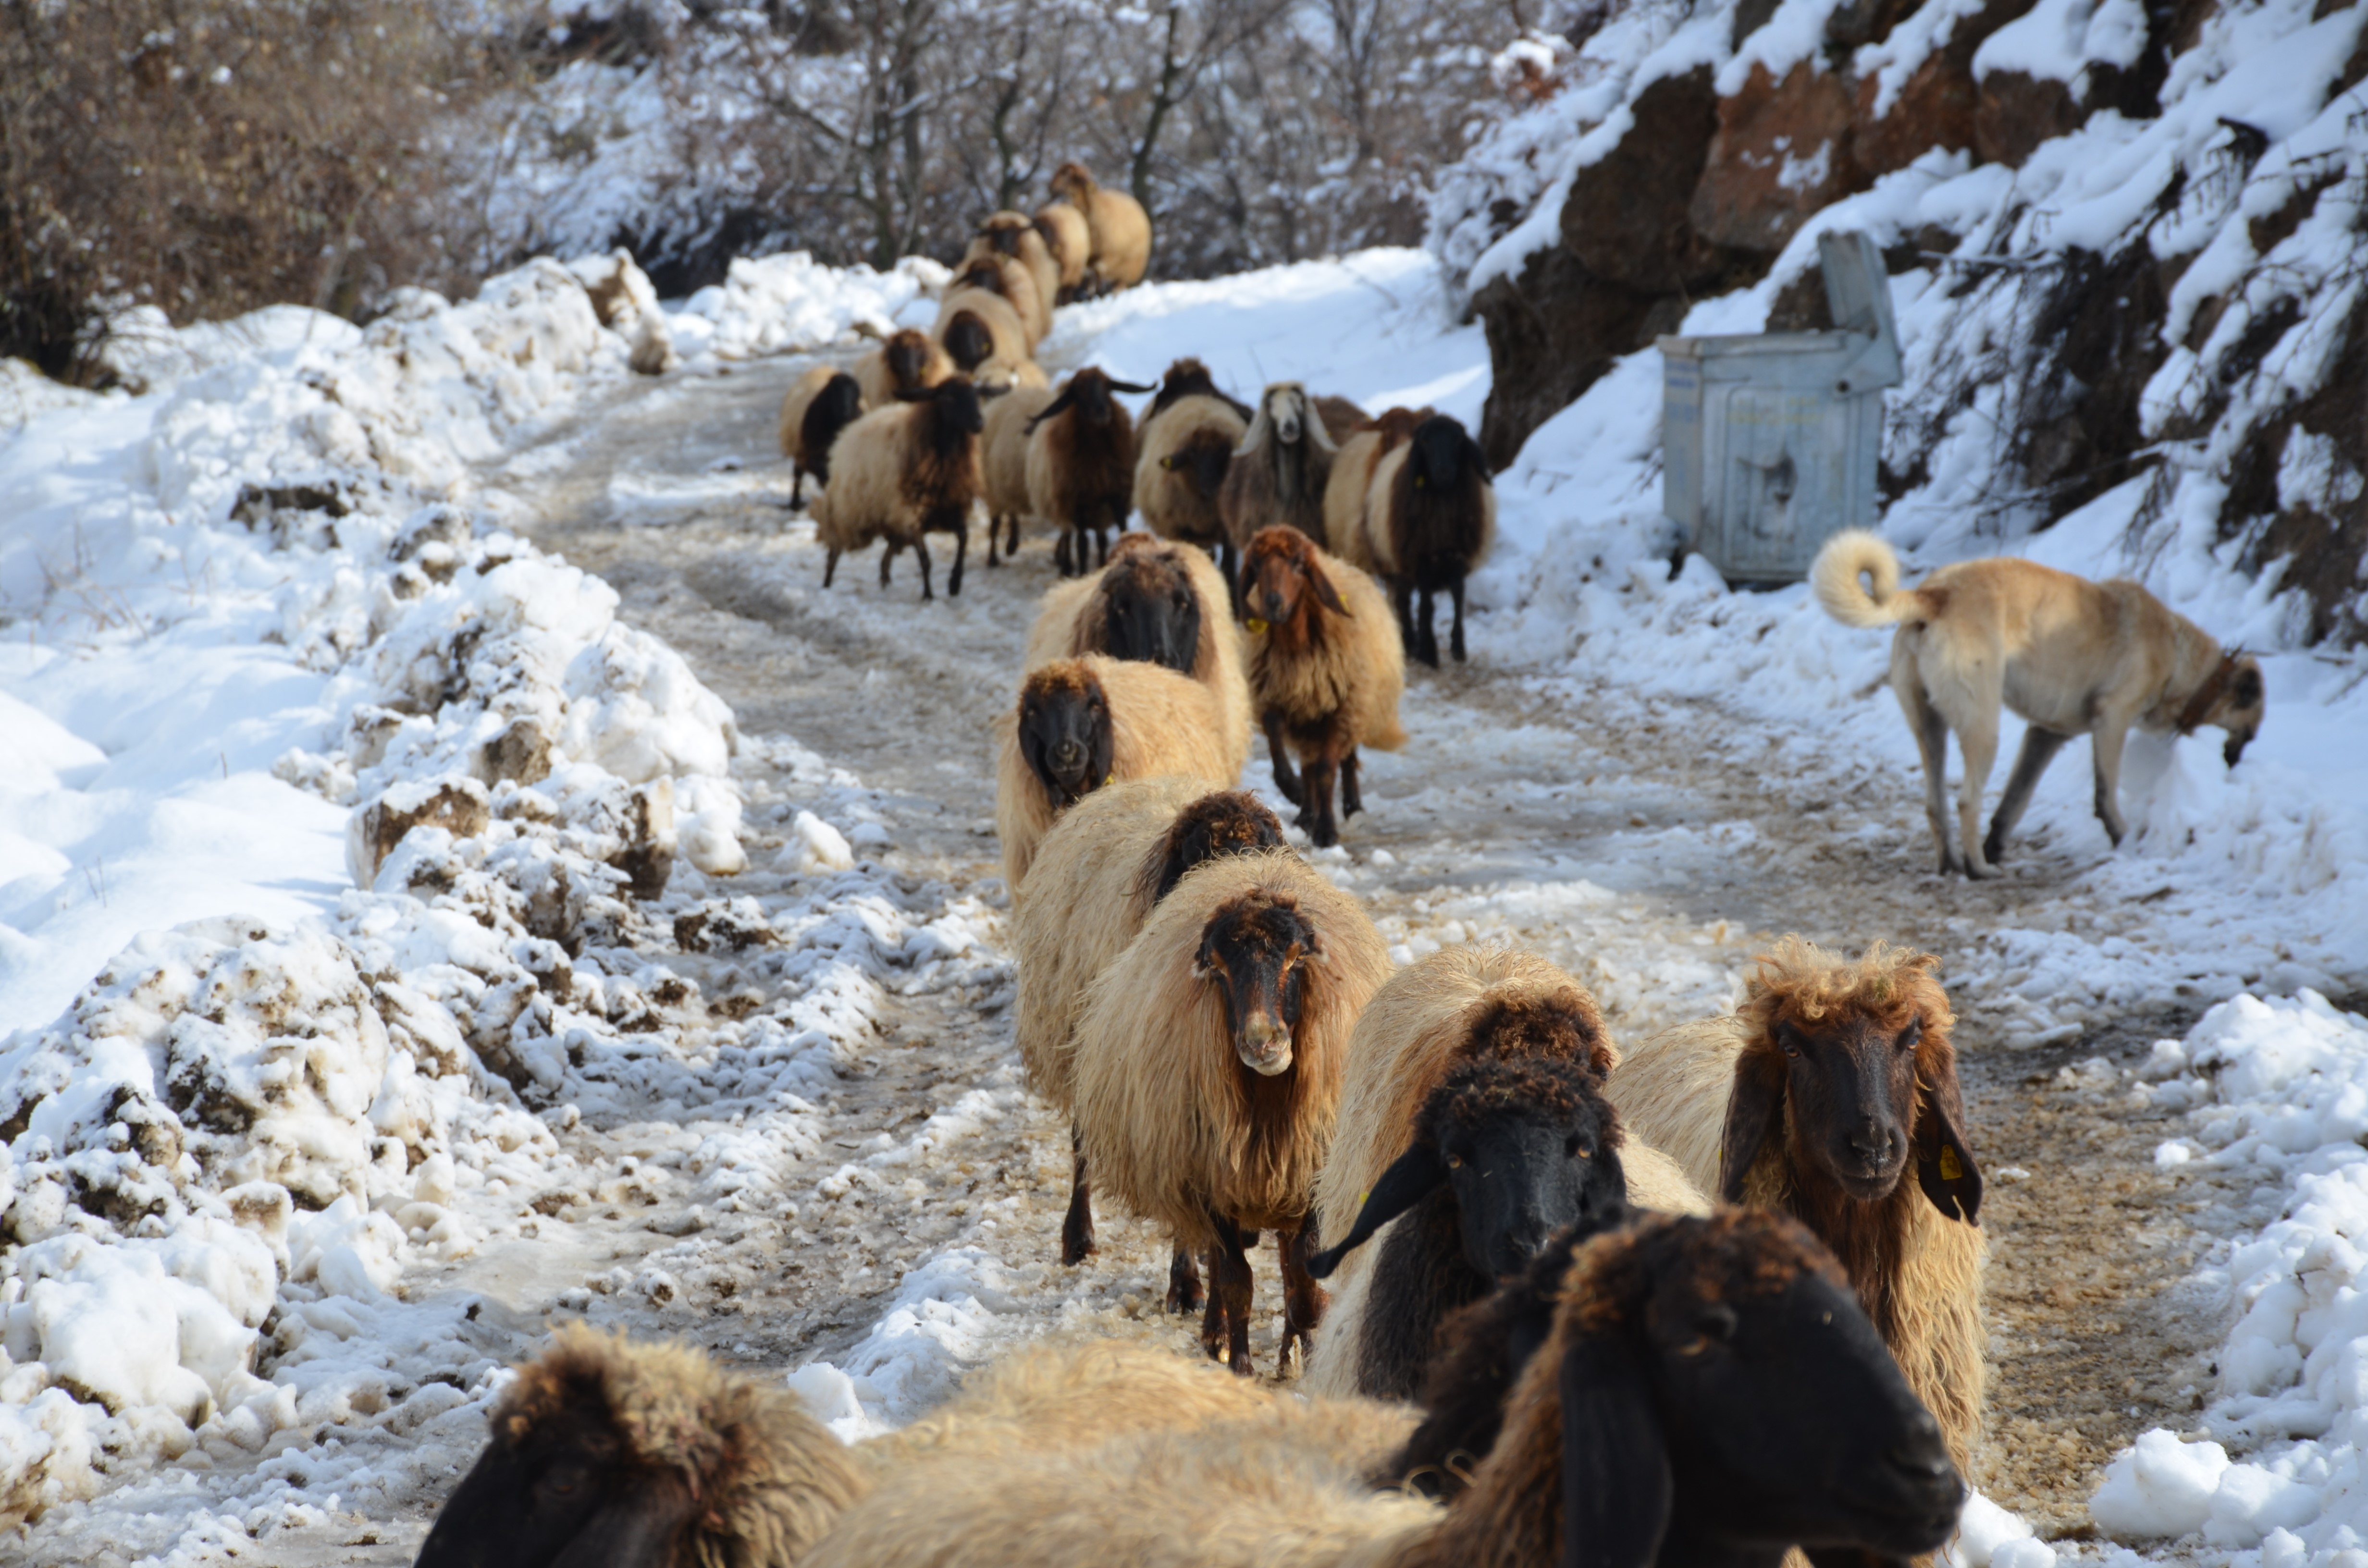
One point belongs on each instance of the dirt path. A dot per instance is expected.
(1650, 847)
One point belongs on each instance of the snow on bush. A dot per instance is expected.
(2279, 1092)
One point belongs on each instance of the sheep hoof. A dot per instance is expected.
(1993, 847)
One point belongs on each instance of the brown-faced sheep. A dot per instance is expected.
(1279, 471)
(1207, 1065)
(1830, 1082)
(900, 473)
(989, 269)
(1326, 671)
(824, 402)
(1121, 229)
(1011, 235)
(1082, 723)
(650, 1456)
(1430, 518)
(905, 360)
(1706, 1395)
(1081, 465)
(1156, 601)
(979, 329)
(1352, 477)
(1475, 1099)
(1095, 876)
(1004, 456)
(1071, 240)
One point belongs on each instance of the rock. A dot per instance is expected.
(1625, 220)
(1551, 332)
(2017, 112)
(1935, 108)
(647, 858)
(459, 806)
(1782, 152)
(521, 751)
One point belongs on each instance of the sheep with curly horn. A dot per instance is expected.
(1081, 465)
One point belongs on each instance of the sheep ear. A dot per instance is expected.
(1616, 1487)
(1753, 1109)
(1325, 593)
(1409, 1180)
(1059, 405)
(640, 1527)
(1945, 1165)
(1255, 436)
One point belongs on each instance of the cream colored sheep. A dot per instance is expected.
(1119, 227)
(822, 403)
(907, 360)
(900, 473)
(979, 328)
(1071, 240)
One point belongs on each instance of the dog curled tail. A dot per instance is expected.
(1834, 576)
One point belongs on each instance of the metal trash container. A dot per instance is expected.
(1769, 441)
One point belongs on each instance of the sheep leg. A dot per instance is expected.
(1077, 1230)
(1401, 601)
(1212, 1322)
(1456, 646)
(1230, 569)
(1303, 1300)
(921, 550)
(1060, 552)
(1426, 631)
(1353, 801)
(961, 549)
(796, 502)
(829, 566)
(887, 559)
(1285, 780)
(1230, 1290)
(1316, 800)
(994, 533)
(1101, 547)
(1011, 544)
(1183, 1282)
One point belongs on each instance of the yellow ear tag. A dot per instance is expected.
(1111, 781)
(1258, 626)
(1951, 1169)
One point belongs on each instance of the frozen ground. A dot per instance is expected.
(777, 1110)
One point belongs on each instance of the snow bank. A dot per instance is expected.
(2280, 1092)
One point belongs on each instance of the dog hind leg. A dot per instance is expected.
(2038, 749)
(1932, 732)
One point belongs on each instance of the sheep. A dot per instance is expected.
(1004, 449)
(824, 401)
(1071, 240)
(1474, 1098)
(1279, 471)
(907, 360)
(1121, 229)
(1011, 235)
(979, 329)
(1325, 672)
(1082, 723)
(1096, 877)
(1081, 465)
(901, 472)
(1352, 477)
(1207, 1062)
(992, 271)
(649, 1455)
(1156, 601)
(1707, 1395)
(1340, 418)
(1430, 518)
(1829, 1081)
(1188, 436)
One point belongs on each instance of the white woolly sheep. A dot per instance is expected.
(1004, 449)
(1011, 235)
(824, 402)
(1121, 229)
(1188, 440)
(979, 329)
(900, 473)
(1071, 240)
(1430, 518)
(1352, 479)
(905, 360)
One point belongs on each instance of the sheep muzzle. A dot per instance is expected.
(1257, 950)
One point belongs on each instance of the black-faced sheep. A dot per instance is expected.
(1707, 1396)
(990, 269)
(1011, 235)
(824, 401)
(1003, 453)
(1326, 671)
(1188, 438)
(1121, 229)
(1430, 518)
(1208, 1063)
(1097, 875)
(900, 473)
(1352, 478)
(1279, 471)
(1082, 723)
(1831, 1082)
(1156, 601)
(980, 330)
(907, 360)
(1081, 465)
(1474, 1107)
(1071, 240)
(625, 1455)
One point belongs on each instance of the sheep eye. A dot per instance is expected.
(1914, 1032)
(1454, 1162)
(1577, 1150)
(1718, 1322)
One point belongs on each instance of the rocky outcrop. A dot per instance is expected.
(1784, 149)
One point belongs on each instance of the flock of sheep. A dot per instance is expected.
(1705, 1304)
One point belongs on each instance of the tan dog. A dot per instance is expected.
(2069, 655)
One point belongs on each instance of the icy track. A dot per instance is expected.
(305, 1145)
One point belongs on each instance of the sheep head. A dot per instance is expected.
(1230, 822)
(952, 410)
(907, 354)
(1858, 1055)
(1441, 454)
(1149, 610)
(1722, 1394)
(1088, 392)
(836, 406)
(968, 342)
(1256, 951)
(1282, 580)
(1066, 736)
(1072, 181)
(640, 1456)
(1003, 231)
(1202, 457)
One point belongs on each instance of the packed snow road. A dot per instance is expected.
(1651, 847)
